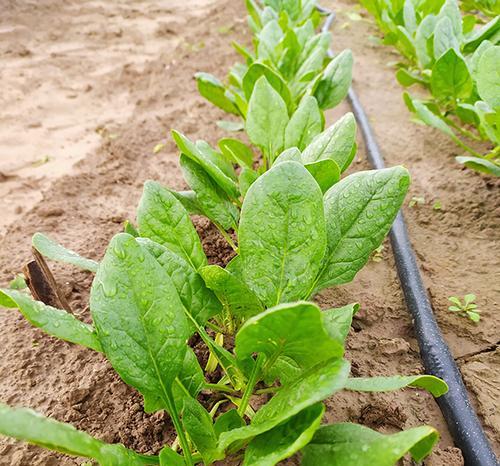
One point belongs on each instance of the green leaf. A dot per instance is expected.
(191, 375)
(406, 78)
(219, 169)
(52, 250)
(55, 322)
(232, 126)
(488, 77)
(255, 72)
(169, 457)
(313, 386)
(214, 91)
(333, 84)
(430, 383)
(479, 165)
(268, 42)
(27, 425)
(189, 202)
(326, 172)
(212, 199)
(444, 37)
(359, 210)
(293, 330)
(424, 37)
(139, 318)
(289, 155)
(237, 151)
(246, 179)
(199, 426)
(334, 143)
(267, 119)
(337, 321)
(305, 124)
(450, 77)
(487, 32)
(284, 440)
(197, 299)
(162, 218)
(282, 234)
(355, 445)
(228, 421)
(430, 118)
(231, 291)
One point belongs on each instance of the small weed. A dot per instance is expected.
(466, 309)
(158, 148)
(378, 254)
(416, 201)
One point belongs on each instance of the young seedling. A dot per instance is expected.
(467, 308)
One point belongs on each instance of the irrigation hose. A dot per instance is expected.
(461, 418)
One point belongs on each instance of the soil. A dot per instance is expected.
(138, 60)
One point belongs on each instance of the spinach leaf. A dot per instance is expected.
(162, 218)
(266, 119)
(214, 202)
(215, 92)
(237, 152)
(25, 424)
(283, 441)
(52, 250)
(326, 172)
(55, 322)
(314, 386)
(355, 445)
(282, 234)
(488, 77)
(231, 291)
(306, 123)
(139, 319)
(292, 330)
(430, 383)
(359, 211)
(337, 321)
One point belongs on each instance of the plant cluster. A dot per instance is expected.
(489, 8)
(458, 64)
(299, 228)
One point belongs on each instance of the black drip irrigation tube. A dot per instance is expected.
(461, 418)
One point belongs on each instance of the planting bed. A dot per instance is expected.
(84, 209)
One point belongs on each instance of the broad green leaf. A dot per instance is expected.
(169, 457)
(337, 321)
(212, 199)
(214, 163)
(228, 421)
(197, 299)
(284, 440)
(55, 322)
(450, 77)
(232, 126)
(255, 72)
(410, 18)
(355, 445)
(444, 37)
(305, 124)
(289, 155)
(188, 200)
(267, 119)
(479, 165)
(237, 151)
(488, 77)
(326, 172)
(269, 39)
(253, 11)
(282, 234)
(407, 78)
(425, 32)
(359, 210)
(52, 250)
(27, 425)
(313, 386)
(214, 91)
(474, 58)
(430, 383)
(199, 426)
(162, 218)
(231, 291)
(335, 143)
(310, 67)
(292, 330)
(246, 179)
(451, 11)
(489, 31)
(333, 84)
(430, 118)
(139, 318)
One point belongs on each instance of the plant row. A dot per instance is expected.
(296, 226)
(458, 64)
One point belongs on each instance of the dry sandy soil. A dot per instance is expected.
(103, 83)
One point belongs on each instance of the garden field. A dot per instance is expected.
(90, 93)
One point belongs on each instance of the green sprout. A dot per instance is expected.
(466, 309)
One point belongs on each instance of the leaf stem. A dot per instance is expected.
(252, 380)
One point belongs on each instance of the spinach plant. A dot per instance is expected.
(457, 63)
(153, 291)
